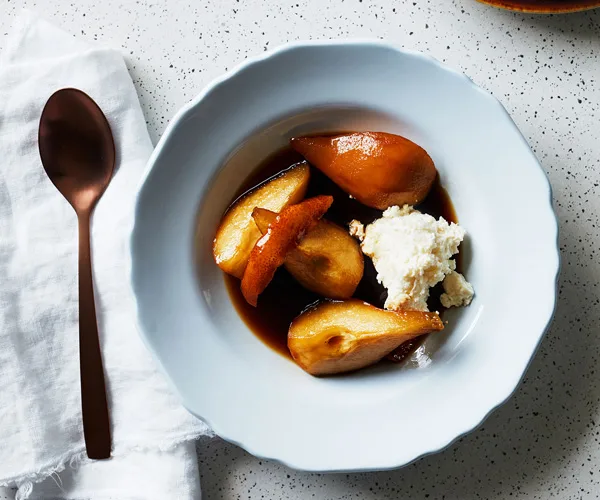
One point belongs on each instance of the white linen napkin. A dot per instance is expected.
(40, 415)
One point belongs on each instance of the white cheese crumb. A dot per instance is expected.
(411, 252)
(459, 292)
(357, 229)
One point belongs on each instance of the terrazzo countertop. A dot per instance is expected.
(545, 441)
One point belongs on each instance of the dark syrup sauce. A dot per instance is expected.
(284, 298)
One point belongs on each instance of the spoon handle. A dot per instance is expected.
(96, 429)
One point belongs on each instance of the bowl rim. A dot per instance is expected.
(515, 6)
(180, 116)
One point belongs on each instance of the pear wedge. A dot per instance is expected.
(378, 169)
(283, 234)
(327, 261)
(337, 337)
(237, 234)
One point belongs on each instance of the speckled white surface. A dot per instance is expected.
(545, 441)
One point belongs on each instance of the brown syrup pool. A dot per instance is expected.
(284, 298)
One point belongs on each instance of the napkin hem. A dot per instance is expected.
(24, 482)
(78, 457)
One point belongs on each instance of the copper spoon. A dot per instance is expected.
(78, 154)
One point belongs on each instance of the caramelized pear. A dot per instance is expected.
(237, 234)
(378, 169)
(263, 218)
(327, 261)
(337, 337)
(283, 234)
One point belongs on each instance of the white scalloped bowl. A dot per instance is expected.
(386, 416)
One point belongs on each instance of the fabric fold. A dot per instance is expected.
(40, 416)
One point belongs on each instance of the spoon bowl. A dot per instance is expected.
(78, 153)
(76, 147)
